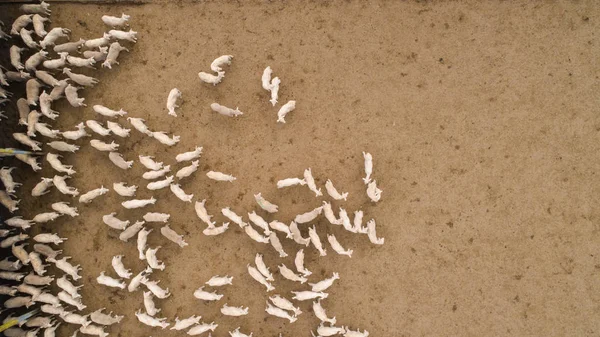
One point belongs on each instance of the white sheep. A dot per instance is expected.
(124, 191)
(174, 94)
(117, 159)
(284, 110)
(73, 98)
(113, 53)
(220, 176)
(102, 146)
(91, 195)
(187, 170)
(170, 234)
(190, 155)
(180, 193)
(97, 127)
(123, 35)
(225, 111)
(115, 21)
(104, 111)
(219, 61)
(210, 78)
(164, 139)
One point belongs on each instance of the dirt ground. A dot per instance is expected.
(482, 119)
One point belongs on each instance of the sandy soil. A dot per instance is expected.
(482, 120)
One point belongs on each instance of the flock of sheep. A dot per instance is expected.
(25, 281)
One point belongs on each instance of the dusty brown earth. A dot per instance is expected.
(482, 119)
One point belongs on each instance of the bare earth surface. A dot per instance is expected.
(482, 120)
